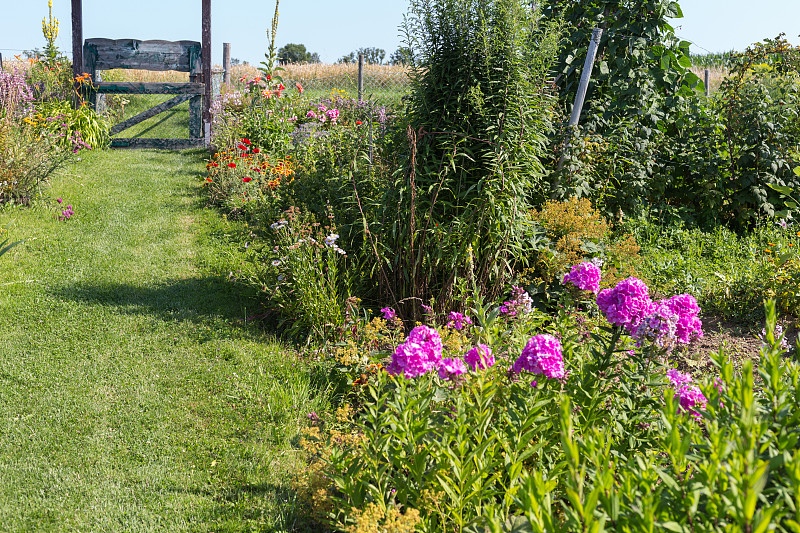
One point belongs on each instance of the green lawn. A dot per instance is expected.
(135, 394)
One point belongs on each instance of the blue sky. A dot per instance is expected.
(334, 29)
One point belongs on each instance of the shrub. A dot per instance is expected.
(471, 143)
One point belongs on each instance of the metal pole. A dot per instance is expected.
(360, 77)
(226, 62)
(1, 62)
(706, 77)
(206, 60)
(585, 76)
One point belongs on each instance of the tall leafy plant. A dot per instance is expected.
(475, 130)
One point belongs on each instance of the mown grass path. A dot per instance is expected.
(134, 394)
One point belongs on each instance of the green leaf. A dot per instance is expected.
(684, 61)
(674, 10)
(664, 62)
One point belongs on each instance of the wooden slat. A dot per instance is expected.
(147, 55)
(153, 111)
(135, 87)
(157, 144)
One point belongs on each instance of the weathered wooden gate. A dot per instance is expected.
(182, 56)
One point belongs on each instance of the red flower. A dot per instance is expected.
(247, 142)
(232, 165)
(269, 77)
(214, 165)
(256, 150)
(209, 179)
(358, 122)
(247, 179)
(299, 87)
(242, 147)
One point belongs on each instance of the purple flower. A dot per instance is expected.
(450, 367)
(689, 325)
(389, 314)
(659, 327)
(427, 309)
(59, 200)
(585, 276)
(419, 354)
(520, 303)
(458, 321)
(690, 397)
(626, 304)
(479, 357)
(542, 355)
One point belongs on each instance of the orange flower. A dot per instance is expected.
(299, 87)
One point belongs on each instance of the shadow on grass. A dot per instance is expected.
(200, 299)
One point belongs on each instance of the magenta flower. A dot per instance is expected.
(658, 327)
(419, 354)
(626, 304)
(450, 367)
(689, 326)
(520, 303)
(458, 321)
(690, 397)
(479, 357)
(542, 355)
(586, 276)
(678, 378)
(389, 314)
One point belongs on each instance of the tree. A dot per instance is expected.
(402, 56)
(296, 53)
(372, 55)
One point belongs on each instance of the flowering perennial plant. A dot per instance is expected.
(690, 397)
(479, 357)
(521, 303)
(585, 276)
(458, 321)
(419, 354)
(542, 355)
(450, 367)
(627, 304)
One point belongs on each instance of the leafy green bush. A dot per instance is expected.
(468, 150)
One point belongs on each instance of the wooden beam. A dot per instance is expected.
(153, 111)
(207, 66)
(145, 55)
(77, 38)
(138, 87)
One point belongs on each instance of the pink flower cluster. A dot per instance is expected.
(422, 353)
(458, 321)
(626, 304)
(519, 304)
(690, 397)
(542, 355)
(585, 276)
(664, 322)
(419, 354)
(325, 114)
(479, 357)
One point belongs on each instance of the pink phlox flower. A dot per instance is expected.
(659, 327)
(332, 114)
(311, 114)
(520, 303)
(777, 334)
(586, 276)
(389, 314)
(678, 378)
(542, 355)
(419, 354)
(458, 321)
(322, 108)
(691, 399)
(450, 367)
(688, 326)
(626, 304)
(479, 357)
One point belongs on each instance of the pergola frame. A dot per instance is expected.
(78, 60)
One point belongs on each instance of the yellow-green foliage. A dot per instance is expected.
(577, 232)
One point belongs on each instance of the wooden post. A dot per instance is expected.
(226, 62)
(586, 75)
(206, 52)
(1, 62)
(77, 38)
(706, 77)
(360, 77)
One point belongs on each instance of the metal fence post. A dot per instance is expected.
(580, 96)
(706, 80)
(1, 62)
(360, 77)
(226, 62)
